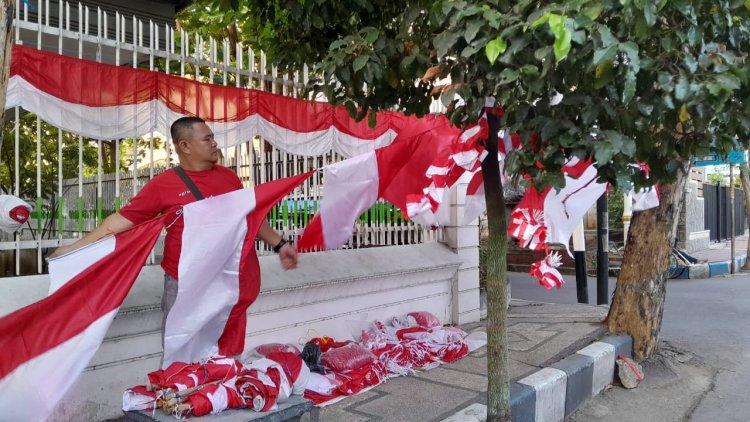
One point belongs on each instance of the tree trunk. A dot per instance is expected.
(498, 389)
(638, 302)
(6, 41)
(745, 178)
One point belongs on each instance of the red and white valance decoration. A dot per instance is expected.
(103, 101)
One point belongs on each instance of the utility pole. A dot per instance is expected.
(579, 254)
(602, 251)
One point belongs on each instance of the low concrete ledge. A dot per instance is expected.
(713, 269)
(552, 394)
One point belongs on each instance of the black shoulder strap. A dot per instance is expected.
(188, 182)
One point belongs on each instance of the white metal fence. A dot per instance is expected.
(67, 206)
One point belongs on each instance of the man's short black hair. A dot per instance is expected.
(183, 126)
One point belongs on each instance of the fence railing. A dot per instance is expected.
(76, 182)
(717, 212)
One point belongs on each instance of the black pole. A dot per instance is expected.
(582, 287)
(602, 251)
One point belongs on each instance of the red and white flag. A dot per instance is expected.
(219, 272)
(413, 173)
(104, 101)
(645, 198)
(47, 344)
(558, 211)
(475, 203)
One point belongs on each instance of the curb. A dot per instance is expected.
(554, 393)
(713, 269)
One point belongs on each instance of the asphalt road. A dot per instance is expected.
(703, 370)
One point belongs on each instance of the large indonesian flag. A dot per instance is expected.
(103, 101)
(413, 173)
(46, 345)
(219, 272)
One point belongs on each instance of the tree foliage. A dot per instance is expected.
(656, 82)
(27, 165)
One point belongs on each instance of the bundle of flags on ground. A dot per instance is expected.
(220, 383)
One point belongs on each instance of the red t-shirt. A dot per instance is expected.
(166, 193)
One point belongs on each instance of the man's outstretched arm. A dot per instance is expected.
(115, 223)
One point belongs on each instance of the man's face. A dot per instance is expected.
(202, 145)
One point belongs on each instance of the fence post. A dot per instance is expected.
(463, 239)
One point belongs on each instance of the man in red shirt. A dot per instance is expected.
(167, 193)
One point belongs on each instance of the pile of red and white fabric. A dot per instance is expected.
(403, 345)
(196, 389)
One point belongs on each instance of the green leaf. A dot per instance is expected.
(606, 36)
(729, 81)
(406, 61)
(628, 90)
(540, 21)
(681, 89)
(645, 109)
(649, 12)
(605, 55)
(372, 35)
(444, 42)
(372, 119)
(351, 108)
(360, 62)
(507, 76)
(495, 48)
(472, 29)
(691, 63)
(631, 50)
(747, 4)
(563, 36)
(592, 11)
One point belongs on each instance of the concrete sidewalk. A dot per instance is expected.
(716, 260)
(556, 363)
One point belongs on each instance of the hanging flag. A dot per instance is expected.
(219, 272)
(645, 198)
(475, 204)
(104, 101)
(47, 344)
(558, 211)
(413, 173)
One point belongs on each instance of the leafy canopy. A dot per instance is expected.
(616, 80)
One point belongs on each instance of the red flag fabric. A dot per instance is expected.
(219, 272)
(47, 344)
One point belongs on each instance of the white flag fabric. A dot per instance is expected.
(646, 198)
(219, 272)
(47, 344)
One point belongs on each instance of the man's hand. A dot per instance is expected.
(288, 256)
